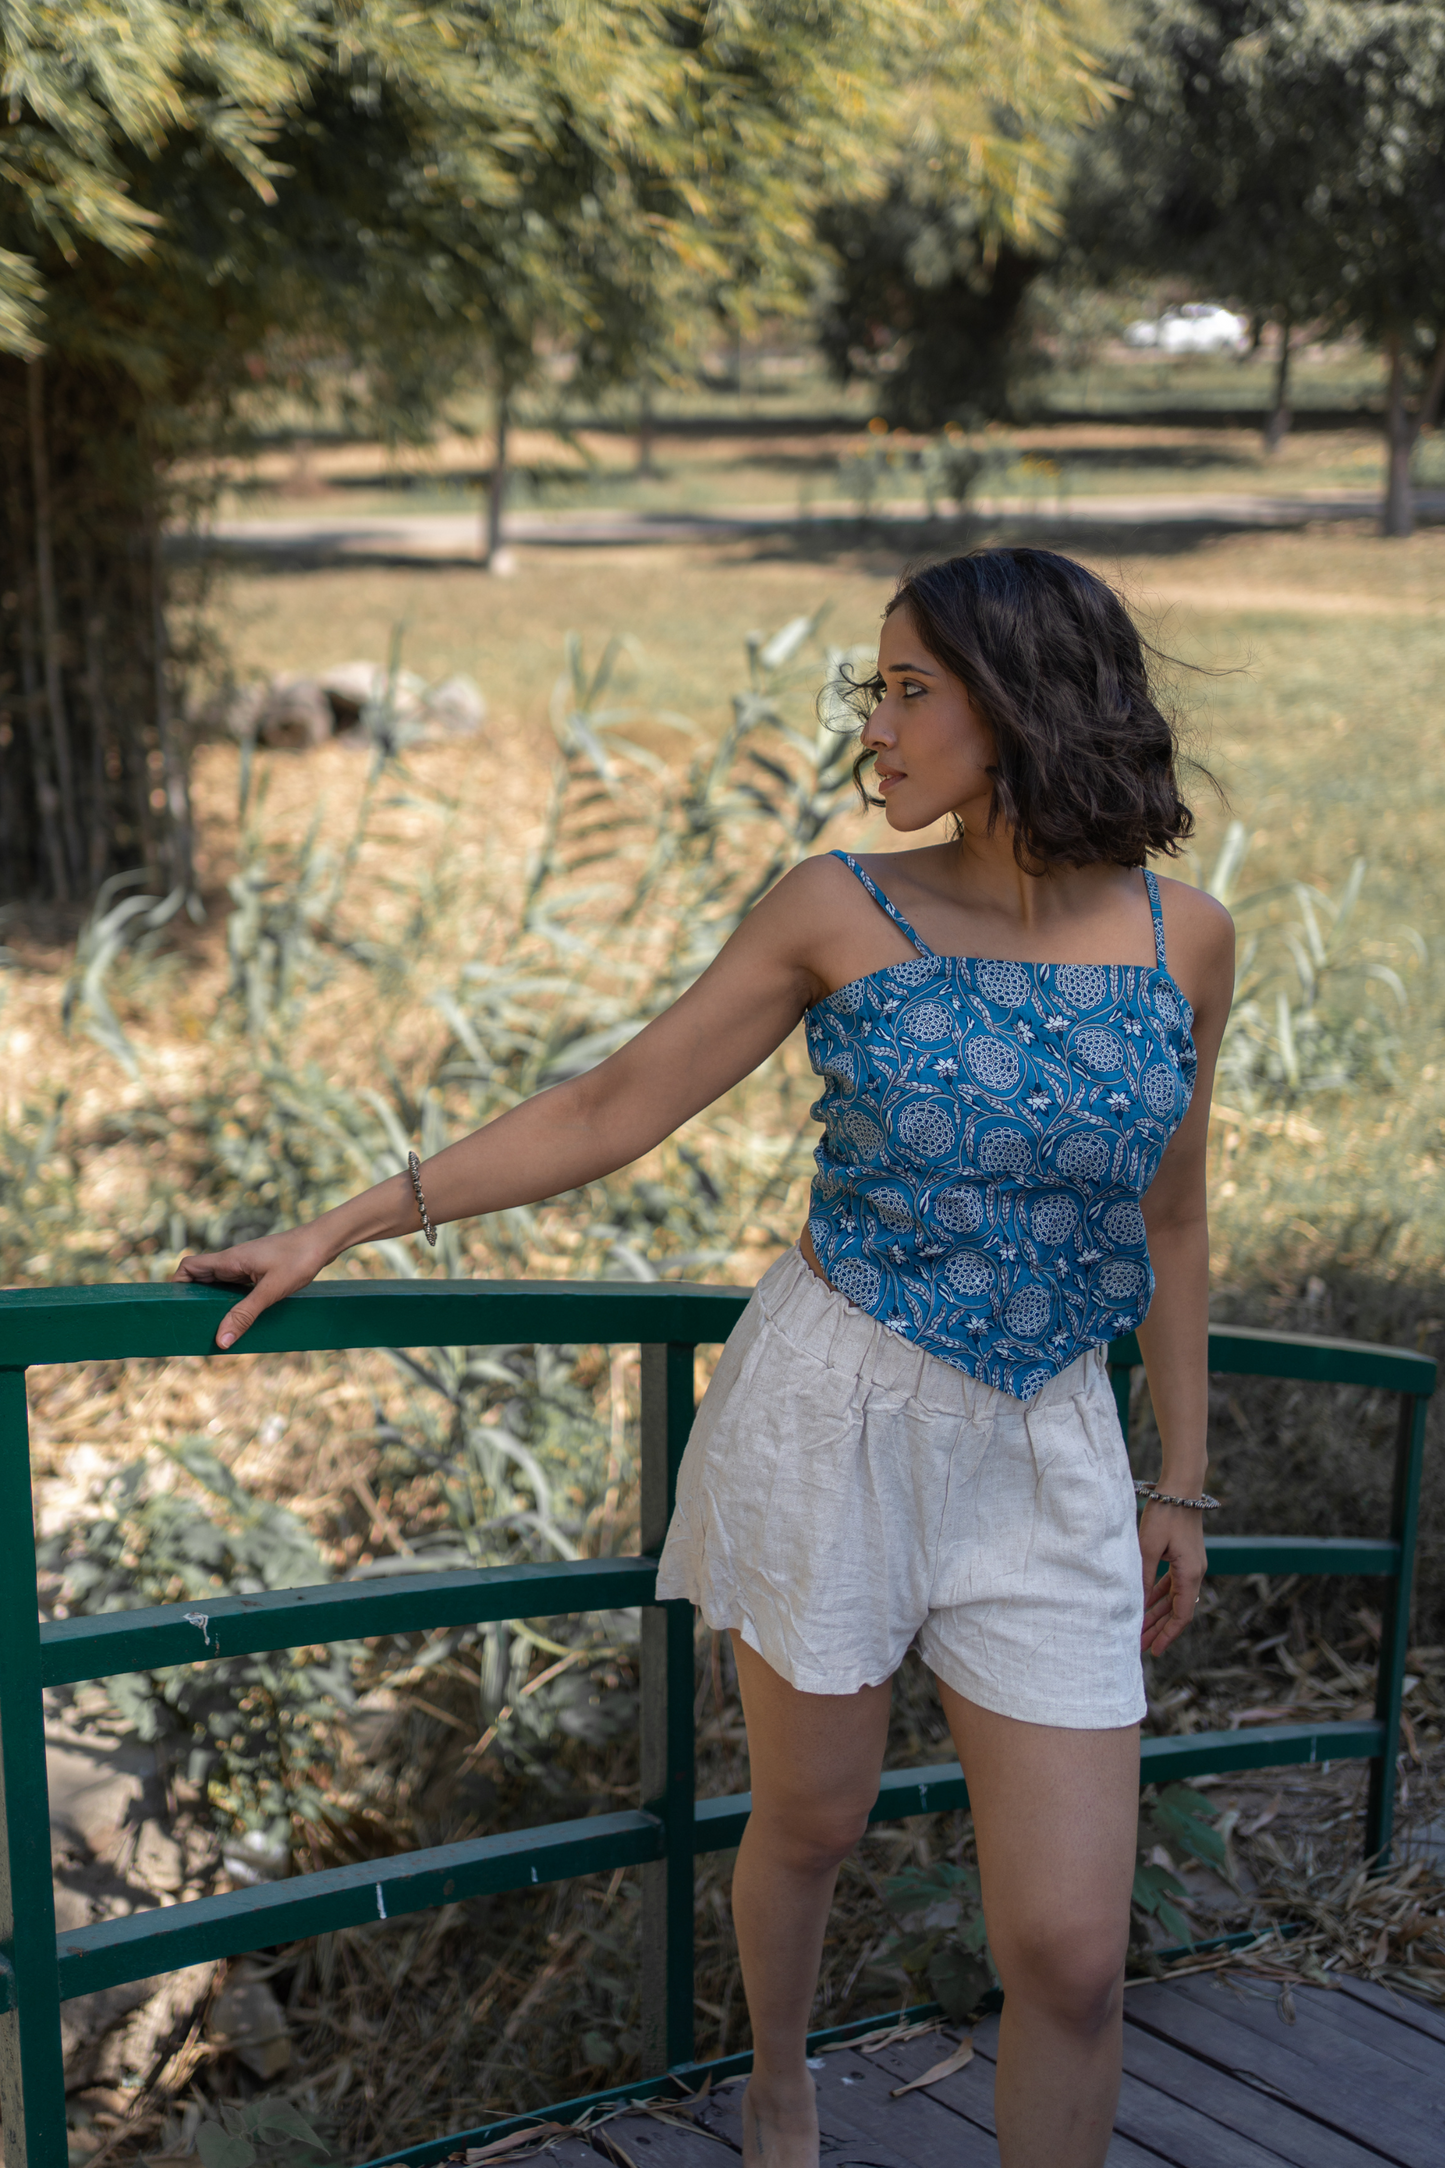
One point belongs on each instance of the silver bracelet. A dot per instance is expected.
(1156, 1497)
(414, 1169)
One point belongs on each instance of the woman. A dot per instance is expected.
(910, 1435)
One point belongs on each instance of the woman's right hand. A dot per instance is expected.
(271, 1268)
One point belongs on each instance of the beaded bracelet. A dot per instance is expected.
(414, 1169)
(1155, 1497)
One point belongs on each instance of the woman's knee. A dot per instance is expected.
(809, 1835)
(1071, 1969)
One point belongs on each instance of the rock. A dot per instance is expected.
(457, 705)
(296, 713)
(352, 687)
(255, 1855)
(167, 2013)
(247, 2019)
(99, 1787)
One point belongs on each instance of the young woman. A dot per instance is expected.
(910, 1435)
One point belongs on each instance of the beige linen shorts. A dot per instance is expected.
(844, 1495)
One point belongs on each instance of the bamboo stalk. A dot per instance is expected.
(50, 625)
(45, 794)
(178, 847)
(100, 731)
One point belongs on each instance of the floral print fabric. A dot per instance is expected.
(989, 1129)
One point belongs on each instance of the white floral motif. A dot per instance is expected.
(1024, 1032)
(947, 1067)
(1118, 1101)
(1038, 1100)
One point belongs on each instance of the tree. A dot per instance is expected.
(933, 267)
(1289, 154)
(192, 191)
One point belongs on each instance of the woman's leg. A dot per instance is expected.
(1056, 1815)
(815, 1760)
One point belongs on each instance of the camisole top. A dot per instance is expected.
(989, 1129)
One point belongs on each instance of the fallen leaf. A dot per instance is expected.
(891, 2036)
(1263, 1820)
(962, 2054)
(535, 2134)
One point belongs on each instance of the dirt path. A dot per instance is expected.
(454, 536)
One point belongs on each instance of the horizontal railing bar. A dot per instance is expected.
(107, 1322)
(1302, 1554)
(110, 1641)
(718, 1824)
(114, 1951)
(1246, 1351)
(111, 1321)
(1261, 1746)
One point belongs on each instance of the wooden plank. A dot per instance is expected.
(858, 2122)
(656, 2141)
(969, 2094)
(1411, 2010)
(1287, 2134)
(853, 2098)
(1356, 2093)
(1381, 2032)
(1182, 2131)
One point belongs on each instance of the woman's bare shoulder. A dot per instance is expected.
(1198, 941)
(1199, 916)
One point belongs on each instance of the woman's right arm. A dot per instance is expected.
(741, 1008)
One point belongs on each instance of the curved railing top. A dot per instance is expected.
(115, 1319)
(102, 1323)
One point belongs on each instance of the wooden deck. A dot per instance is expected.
(1215, 2076)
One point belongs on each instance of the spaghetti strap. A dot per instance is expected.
(884, 905)
(1157, 912)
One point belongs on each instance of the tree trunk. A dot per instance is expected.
(1276, 429)
(93, 744)
(495, 557)
(1398, 518)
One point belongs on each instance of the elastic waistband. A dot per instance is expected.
(813, 1317)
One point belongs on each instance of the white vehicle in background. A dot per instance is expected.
(1199, 327)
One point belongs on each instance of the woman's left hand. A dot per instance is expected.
(1173, 1536)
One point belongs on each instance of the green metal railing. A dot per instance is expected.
(670, 1827)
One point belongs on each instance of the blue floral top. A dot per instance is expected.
(989, 1130)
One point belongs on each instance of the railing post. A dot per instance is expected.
(1395, 1627)
(1121, 1377)
(668, 1781)
(32, 2074)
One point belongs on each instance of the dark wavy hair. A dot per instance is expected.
(1087, 767)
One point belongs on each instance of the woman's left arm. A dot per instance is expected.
(1174, 1338)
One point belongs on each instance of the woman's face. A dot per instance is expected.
(933, 748)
